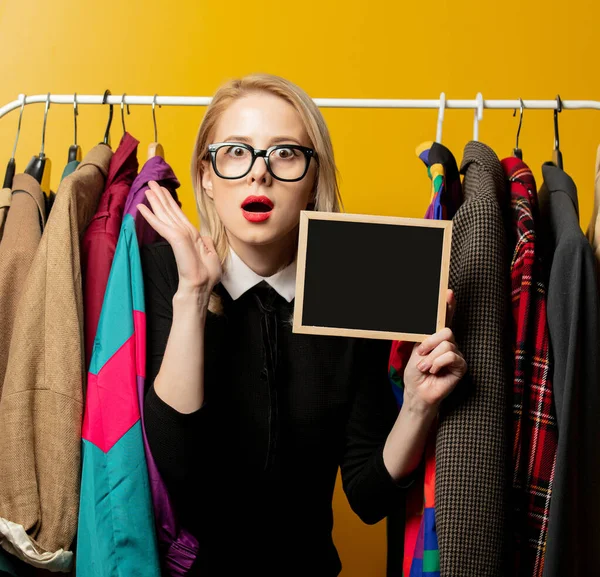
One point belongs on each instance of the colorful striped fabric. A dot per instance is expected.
(421, 551)
(446, 187)
(126, 521)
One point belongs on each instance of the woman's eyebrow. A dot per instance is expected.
(237, 139)
(276, 140)
(286, 139)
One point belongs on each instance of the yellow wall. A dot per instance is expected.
(378, 49)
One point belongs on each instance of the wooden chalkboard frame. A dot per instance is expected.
(307, 216)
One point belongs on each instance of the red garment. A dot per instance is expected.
(100, 239)
(534, 426)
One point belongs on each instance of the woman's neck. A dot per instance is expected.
(267, 259)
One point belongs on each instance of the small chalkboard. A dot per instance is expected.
(371, 276)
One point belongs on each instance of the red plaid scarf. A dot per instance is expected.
(534, 424)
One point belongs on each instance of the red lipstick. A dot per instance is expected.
(257, 208)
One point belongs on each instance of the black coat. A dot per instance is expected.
(573, 544)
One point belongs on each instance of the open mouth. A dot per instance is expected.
(257, 208)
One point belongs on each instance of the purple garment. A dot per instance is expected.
(177, 548)
(430, 214)
(156, 168)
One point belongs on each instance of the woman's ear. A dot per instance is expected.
(207, 184)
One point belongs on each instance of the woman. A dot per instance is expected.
(249, 422)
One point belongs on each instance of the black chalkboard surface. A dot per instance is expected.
(371, 276)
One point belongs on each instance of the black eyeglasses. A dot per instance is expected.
(286, 162)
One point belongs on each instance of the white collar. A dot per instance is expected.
(239, 278)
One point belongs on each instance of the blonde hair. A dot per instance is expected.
(326, 194)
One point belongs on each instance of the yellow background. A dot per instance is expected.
(350, 48)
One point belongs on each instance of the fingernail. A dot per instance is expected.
(423, 366)
(420, 349)
(433, 370)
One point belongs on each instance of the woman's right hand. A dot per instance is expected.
(198, 264)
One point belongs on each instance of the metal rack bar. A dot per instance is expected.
(321, 102)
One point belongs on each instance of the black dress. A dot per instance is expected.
(252, 473)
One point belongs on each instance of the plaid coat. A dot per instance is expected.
(534, 431)
(471, 449)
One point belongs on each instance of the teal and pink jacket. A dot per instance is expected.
(127, 525)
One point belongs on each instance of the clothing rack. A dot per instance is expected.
(478, 104)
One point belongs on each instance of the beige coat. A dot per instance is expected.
(22, 233)
(42, 403)
(593, 231)
(5, 194)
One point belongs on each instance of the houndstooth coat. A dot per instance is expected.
(471, 450)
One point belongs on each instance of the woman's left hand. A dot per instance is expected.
(434, 368)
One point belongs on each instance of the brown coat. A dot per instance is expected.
(471, 450)
(593, 231)
(5, 194)
(42, 404)
(22, 233)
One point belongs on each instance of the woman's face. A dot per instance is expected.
(260, 120)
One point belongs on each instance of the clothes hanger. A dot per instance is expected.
(75, 149)
(557, 158)
(110, 117)
(40, 166)
(440, 121)
(12, 165)
(155, 148)
(517, 151)
(478, 116)
(123, 112)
